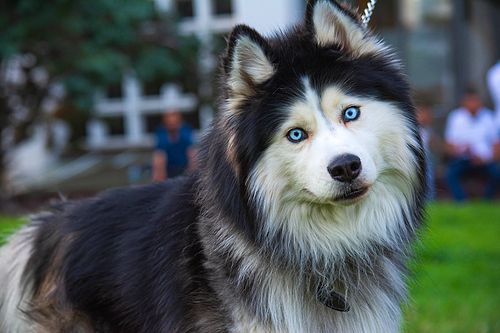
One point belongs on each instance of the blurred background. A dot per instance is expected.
(84, 86)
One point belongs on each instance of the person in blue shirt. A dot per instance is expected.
(173, 153)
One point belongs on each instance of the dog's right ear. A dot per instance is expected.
(247, 62)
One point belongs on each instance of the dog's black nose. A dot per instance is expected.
(345, 168)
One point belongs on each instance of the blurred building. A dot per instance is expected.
(129, 119)
(445, 45)
(212, 17)
(126, 116)
(119, 137)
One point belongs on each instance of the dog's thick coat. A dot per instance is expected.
(273, 233)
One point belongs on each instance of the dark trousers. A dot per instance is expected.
(461, 167)
(175, 170)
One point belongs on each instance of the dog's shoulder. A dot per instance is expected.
(122, 254)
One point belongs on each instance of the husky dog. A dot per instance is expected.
(300, 219)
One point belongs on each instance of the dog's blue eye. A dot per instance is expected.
(296, 135)
(351, 113)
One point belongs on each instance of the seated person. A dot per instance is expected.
(173, 153)
(493, 80)
(471, 138)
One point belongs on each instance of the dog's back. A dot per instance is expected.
(128, 255)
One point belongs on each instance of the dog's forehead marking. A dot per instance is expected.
(334, 97)
(310, 94)
(313, 99)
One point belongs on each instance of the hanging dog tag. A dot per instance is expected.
(333, 301)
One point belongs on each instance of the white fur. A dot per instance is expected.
(291, 180)
(295, 311)
(315, 227)
(248, 60)
(332, 26)
(284, 299)
(14, 294)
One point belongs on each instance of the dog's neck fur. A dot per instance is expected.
(284, 295)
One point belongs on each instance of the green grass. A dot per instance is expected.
(8, 225)
(456, 282)
(455, 287)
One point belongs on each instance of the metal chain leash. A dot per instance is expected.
(367, 14)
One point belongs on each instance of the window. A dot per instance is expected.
(153, 121)
(114, 91)
(222, 7)
(184, 8)
(115, 125)
(153, 87)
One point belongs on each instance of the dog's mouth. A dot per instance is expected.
(348, 195)
(352, 194)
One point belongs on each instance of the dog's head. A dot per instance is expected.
(317, 124)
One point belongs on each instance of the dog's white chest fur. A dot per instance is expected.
(288, 308)
(363, 321)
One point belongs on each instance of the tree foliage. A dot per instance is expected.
(89, 44)
(83, 46)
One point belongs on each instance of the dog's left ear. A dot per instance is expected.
(247, 62)
(333, 24)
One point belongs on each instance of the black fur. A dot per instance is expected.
(134, 262)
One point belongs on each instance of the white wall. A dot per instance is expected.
(266, 16)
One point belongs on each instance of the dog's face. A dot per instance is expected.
(320, 124)
(328, 149)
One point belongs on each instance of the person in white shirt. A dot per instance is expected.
(493, 80)
(471, 138)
